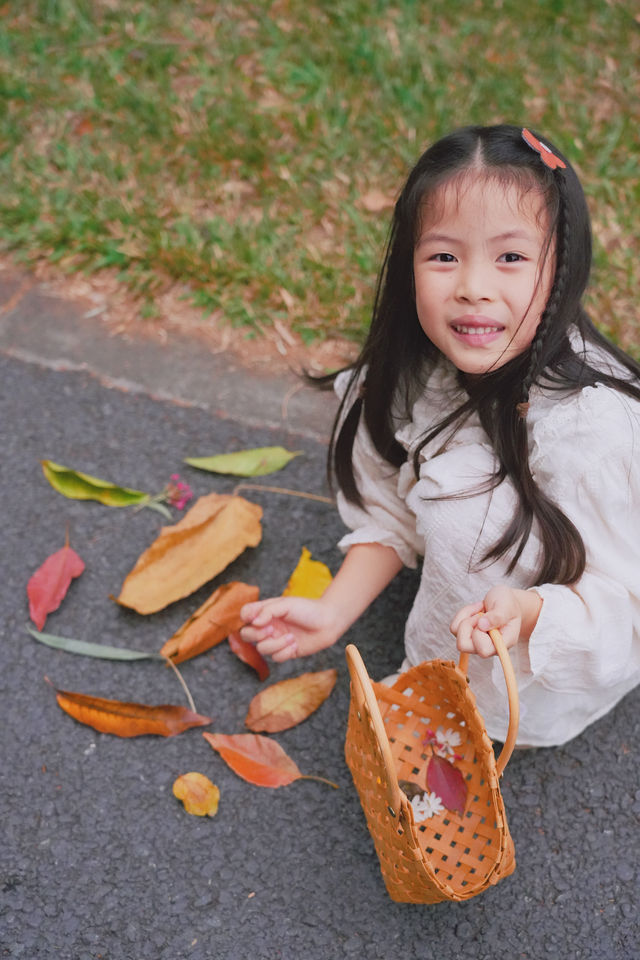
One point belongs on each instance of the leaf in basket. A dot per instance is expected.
(448, 783)
(410, 789)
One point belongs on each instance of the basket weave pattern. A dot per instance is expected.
(446, 857)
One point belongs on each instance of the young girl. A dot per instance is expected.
(488, 427)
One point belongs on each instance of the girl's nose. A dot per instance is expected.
(473, 283)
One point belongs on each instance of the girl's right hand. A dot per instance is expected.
(286, 627)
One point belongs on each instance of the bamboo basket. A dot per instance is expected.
(446, 857)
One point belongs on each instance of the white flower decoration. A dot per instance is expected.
(446, 741)
(426, 806)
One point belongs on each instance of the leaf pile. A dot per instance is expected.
(185, 556)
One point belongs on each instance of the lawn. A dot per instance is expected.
(247, 155)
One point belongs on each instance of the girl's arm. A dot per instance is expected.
(287, 627)
(514, 612)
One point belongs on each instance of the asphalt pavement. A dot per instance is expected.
(98, 860)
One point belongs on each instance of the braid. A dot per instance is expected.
(550, 311)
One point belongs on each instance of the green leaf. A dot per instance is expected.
(246, 463)
(82, 486)
(99, 650)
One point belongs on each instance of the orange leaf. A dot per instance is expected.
(199, 795)
(375, 200)
(185, 556)
(248, 653)
(128, 719)
(309, 579)
(289, 702)
(211, 623)
(256, 759)
(48, 586)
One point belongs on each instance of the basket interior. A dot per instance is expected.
(462, 850)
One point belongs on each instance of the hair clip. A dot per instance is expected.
(522, 409)
(547, 155)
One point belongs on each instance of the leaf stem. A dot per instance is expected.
(310, 776)
(283, 490)
(182, 683)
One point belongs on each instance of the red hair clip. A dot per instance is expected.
(547, 156)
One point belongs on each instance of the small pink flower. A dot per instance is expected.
(177, 492)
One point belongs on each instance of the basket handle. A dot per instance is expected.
(365, 698)
(512, 695)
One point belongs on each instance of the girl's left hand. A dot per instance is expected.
(503, 608)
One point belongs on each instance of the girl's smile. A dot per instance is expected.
(482, 278)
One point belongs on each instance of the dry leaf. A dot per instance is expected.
(309, 579)
(287, 703)
(48, 586)
(128, 719)
(375, 200)
(199, 795)
(185, 556)
(248, 653)
(211, 623)
(448, 783)
(258, 760)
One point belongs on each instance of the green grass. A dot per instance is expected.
(227, 147)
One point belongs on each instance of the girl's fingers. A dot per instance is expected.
(273, 645)
(287, 653)
(469, 611)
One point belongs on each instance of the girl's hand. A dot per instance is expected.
(286, 627)
(513, 612)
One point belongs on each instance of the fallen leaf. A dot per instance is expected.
(248, 653)
(410, 788)
(375, 200)
(185, 556)
(128, 719)
(199, 795)
(309, 579)
(258, 760)
(48, 586)
(211, 623)
(82, 486)
(287, 703)
(448, 783)
(246, 463)
(100, 650)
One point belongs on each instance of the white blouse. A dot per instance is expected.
(584, 450)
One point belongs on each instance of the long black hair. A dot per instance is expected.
(397, 354)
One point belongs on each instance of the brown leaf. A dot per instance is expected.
(375, 200)
(199, 795)
(448, 783)
(289, 702)
(256, 759)
(48, 586)
(128, 719)
(185, 556)
(248, 653)
(211, 623)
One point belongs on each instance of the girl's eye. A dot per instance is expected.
(443, 258)
(511, 257)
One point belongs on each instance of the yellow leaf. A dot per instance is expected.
(187, 555)
(199, 795)
(309, 579)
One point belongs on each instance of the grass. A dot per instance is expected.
(235, 150)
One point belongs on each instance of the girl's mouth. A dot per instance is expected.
(476, 335)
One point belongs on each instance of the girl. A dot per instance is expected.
(490, 428)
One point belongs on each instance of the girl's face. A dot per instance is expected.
(481, 283)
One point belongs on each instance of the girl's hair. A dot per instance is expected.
(397, 355)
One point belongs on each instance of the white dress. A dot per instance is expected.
(584, 450)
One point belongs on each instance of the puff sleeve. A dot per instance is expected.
(385, 517)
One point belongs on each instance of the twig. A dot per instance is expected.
(183, 684)
(283, 490)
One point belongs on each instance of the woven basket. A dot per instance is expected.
(446, 857)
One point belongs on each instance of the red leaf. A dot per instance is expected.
(256, 759)
(248, 653)
(447, 782)
(48, 586)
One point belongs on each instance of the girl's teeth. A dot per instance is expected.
(476, 329)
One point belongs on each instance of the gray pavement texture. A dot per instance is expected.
(98, 861)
